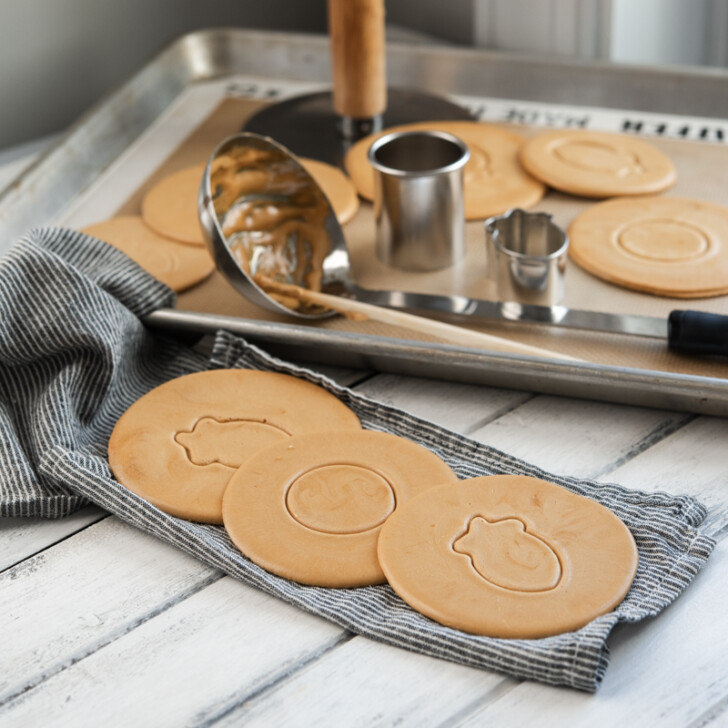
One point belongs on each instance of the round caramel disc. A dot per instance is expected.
(663, 245)
(337, 187)
(179, 266)
(178, 445)
(494, 179)
(310, 509)
(170, 207)
(597, 164)
(508, 556)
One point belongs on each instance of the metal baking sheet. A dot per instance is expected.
(154, 111)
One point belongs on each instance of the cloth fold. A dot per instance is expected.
(74, 355)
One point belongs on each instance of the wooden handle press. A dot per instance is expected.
(356, 30)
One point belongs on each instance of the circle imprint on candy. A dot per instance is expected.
(508, 556)
(179, 266)
(663, 245)
(665, 240)
(170, 206)
(178, 445)
(310, 509)
(597, 164)
(340, 498)
(494, 180)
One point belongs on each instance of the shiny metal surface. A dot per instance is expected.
(464, 309)
(309, 127)
(266, 219)
(452, 70)
(351, 129)
(461, 308)
(526, 254)
(703, 395)
(419, 205)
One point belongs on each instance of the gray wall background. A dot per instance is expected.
(59, 56)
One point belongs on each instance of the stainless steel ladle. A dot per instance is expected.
(264, 215)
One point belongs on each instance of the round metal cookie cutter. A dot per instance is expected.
(526, 254)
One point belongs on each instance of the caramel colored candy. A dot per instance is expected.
(310, 509)
(508, 556)
(178, 445)
(667, 246)
(179, 266)
(170, 207)
(337, 187)
(494, 180)
(597, 164)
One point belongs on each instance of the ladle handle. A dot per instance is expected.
(698, 332)
(356, 30)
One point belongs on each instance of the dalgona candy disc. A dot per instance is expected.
(310, 509)
(508, 556)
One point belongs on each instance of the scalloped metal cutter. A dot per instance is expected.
(527, 257)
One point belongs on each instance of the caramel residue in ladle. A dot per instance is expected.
(272, 216)
(301, 296)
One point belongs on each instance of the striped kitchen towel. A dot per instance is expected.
(74, 355)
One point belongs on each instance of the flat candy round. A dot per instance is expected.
(179, 266)
(667, 246)
(494, 180)
(597, 164)
(508, 556)
(170, 207)
(337, 187)
(310, 509)
(178, 445)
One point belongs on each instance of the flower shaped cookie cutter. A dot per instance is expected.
(526, 254)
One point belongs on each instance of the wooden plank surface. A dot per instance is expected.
(66, 602)
(20, 538)
(691, 461)
(184, 665)
(369, 684)
(544, 432)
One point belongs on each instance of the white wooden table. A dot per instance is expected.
(104, 625)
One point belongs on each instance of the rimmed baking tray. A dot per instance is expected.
(516, 89)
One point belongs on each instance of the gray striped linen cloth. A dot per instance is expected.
(75, 355)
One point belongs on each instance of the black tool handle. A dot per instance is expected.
(697, 332)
